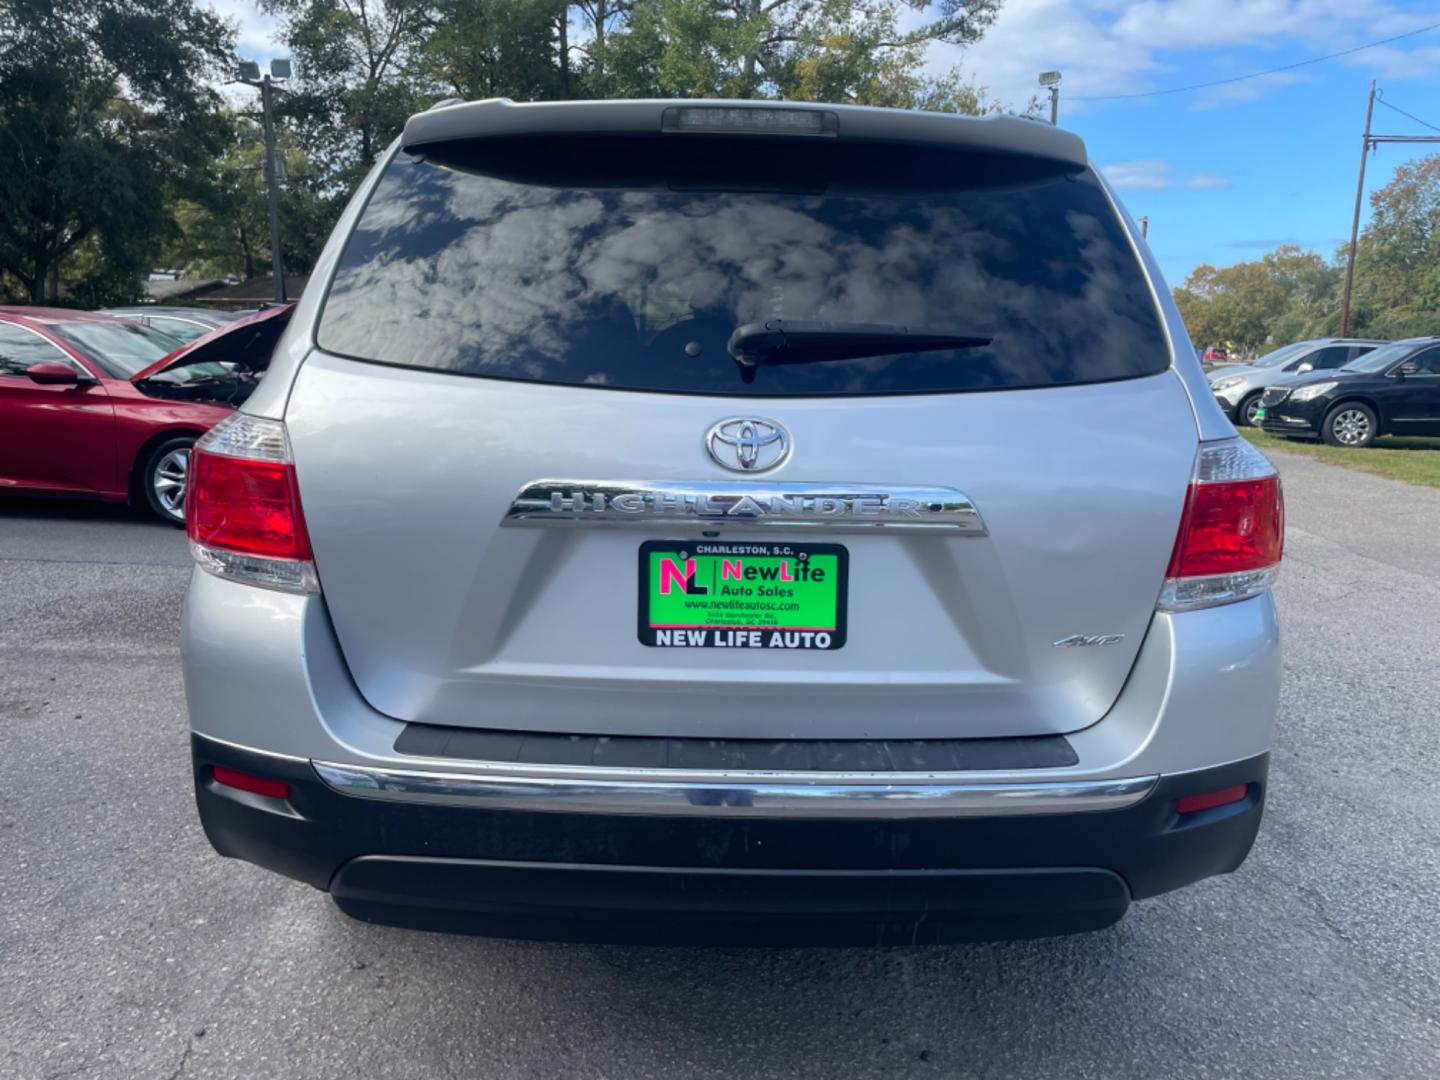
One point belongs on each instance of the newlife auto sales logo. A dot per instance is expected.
(747, 595)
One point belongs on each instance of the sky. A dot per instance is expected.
(1226, 173)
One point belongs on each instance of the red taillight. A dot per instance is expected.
(250, 507)
(1229, 527)
(1190, 804)
(256, 785)
(1232, 529)
(242, 508)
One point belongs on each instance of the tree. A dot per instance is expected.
(1291, 294)
(105, 109)
(847, 51)
(1397, 263)
(224, 229)
(498, 48)
(358, 76)
(1237, 305)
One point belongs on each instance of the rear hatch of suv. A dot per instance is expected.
(739, 422)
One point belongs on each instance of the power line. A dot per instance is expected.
(1395, 108)
(1260, 74)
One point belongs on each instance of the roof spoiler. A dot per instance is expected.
(701, 118)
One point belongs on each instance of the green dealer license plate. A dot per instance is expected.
(717, 595)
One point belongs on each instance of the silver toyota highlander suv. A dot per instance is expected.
(733, 521)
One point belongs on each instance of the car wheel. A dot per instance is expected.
(1245, 414)
(163, 477)
(1350, 424)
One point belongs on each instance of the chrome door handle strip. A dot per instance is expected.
(735, 798)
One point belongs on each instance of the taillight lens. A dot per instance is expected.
(242, 509)
(1232, 531)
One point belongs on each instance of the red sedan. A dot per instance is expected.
(98, 407)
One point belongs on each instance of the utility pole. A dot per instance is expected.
(1367, 143)
(1145, 226)
(1051, 80)
(267, 91)
(268, 87)
(1355, 221)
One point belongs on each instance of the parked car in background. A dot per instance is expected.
(182, 323)
(1238, 388)
(1216, 354)
(99, 407)
(681, 519)
(1393, 390)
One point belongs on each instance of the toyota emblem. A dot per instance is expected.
(747, 444)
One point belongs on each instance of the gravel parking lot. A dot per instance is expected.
(129, 949)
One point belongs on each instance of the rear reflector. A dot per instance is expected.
(256, 785)
(1190, 804)
(1232, 529)
(242, 509)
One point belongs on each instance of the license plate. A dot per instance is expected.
(730, 595)
(1260, 413)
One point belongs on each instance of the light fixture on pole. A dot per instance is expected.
(1051, 81)
(267, 85)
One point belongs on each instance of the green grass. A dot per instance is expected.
(1413, 460)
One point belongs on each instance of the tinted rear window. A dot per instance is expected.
(628, 267)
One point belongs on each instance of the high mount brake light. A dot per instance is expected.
(1232, 530)
(242, 509)
(749, 120)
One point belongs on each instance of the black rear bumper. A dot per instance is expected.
(591, 877)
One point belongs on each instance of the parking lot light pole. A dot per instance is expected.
(1051, 80)
(249, 75)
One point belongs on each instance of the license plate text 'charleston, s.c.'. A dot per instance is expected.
(742, 595)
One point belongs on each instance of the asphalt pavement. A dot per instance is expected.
(129, 949)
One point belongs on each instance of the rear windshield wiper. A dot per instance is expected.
(791, 341)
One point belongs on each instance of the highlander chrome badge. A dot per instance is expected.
(844, 508)
(747, 444)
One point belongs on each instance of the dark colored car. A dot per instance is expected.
(98, 407)
(1238, 388)
(181, 323)
(1394, 390)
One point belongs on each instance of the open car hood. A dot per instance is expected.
(249, 341)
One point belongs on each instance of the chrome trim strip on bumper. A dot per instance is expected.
(735, 797)
(707, 505)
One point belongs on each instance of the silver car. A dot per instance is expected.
(1238, 389)
(715, 521)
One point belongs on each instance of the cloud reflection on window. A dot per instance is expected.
(451, 270)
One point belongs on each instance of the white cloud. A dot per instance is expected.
(1151, 174)
(1111, 47)
(1157, 174)
(1031, 36)
(259, 33)
(1389, 62)
(1236, 93)
(1207, 181)
(1200, 23)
